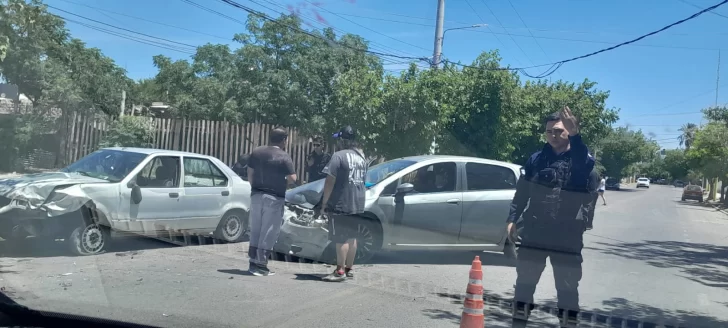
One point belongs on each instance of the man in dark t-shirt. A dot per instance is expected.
(270, 170)
(343, 201)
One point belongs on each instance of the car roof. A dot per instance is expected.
(150, 151)
(442, 158)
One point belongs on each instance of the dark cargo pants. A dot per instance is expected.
(567, 274)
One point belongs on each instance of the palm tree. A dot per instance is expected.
(688, 134)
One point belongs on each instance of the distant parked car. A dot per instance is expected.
(133, 190)
(693, 192)
(643, 183)
(679, 184)
(613, 184)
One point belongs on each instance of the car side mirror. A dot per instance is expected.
(136, 192)
(405, 188)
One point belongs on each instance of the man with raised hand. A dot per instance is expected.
(554, 187)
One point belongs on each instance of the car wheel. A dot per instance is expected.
(700, 200)
(90, 239)
(368, 239)
(232, 227)
(683, 199)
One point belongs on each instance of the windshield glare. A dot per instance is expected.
(107, 164)
(382, 171)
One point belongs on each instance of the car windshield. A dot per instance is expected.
(382, 171)
(107, 164)
(551, 140)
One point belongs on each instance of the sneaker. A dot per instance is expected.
(335, 276)
(268, 272)
(255, 270)
(349, 273)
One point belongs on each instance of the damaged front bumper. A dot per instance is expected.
(302, 234)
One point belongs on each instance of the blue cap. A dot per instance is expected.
(346, 132)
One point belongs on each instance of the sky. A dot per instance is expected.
(658, 83)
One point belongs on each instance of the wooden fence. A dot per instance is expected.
(81, 134)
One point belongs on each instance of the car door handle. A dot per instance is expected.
(453, 201)
(225, 193)
(173, 195)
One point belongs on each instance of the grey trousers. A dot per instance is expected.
(266, 217)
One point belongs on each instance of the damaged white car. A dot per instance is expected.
(125, 190)
(419, 202)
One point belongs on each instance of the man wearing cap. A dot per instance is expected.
(270, 170)
(343, 200)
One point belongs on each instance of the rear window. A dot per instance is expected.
(643, 179)
(693, 188)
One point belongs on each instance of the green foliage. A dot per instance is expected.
(52, 69)
(277, 75)
(676, 164)
(709, 153)
(717, 114)
(621, 149)
(687, 135)
(129, 131)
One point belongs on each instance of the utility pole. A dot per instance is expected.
(717, 80)
(123, 103)
(439, 34)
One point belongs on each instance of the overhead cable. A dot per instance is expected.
(693, 16)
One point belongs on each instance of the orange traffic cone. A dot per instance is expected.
(473, 316)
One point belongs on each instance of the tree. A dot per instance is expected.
(676, 163)
(709, 153)
(687, 135)
(717, 114)
(622, 148)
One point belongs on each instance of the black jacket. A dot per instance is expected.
(550, 195)
(593, 186)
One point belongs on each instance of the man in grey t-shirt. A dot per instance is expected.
(343, 200)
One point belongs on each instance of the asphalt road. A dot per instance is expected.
(650, 257)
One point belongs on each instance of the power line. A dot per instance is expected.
(529, 31)
(696, 6)
(212, 11)
(509, 35)
(531, 35)
(373, 45)
(124, 29)
(132, 38)
(555, 65)
(489, 29)
(272, 20)
(363, 26)
(146, 20)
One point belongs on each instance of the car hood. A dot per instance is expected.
(35, 189)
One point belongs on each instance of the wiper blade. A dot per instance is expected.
(84, 173)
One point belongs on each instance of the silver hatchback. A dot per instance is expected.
(419, 202)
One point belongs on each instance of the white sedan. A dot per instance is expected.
(135, 190)
(643, 183)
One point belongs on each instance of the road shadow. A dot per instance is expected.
(620, 312)
(237, 272)
(32, 247)
(697, 205)
(440, 258)
(702, 263)
(309, 276)
(625, 190)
